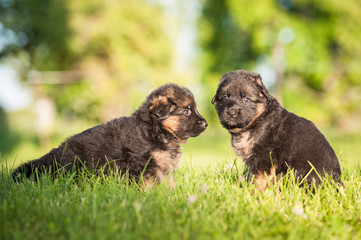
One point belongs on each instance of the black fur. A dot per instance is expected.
(167, 118)
(270, 139)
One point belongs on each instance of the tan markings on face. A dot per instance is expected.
(172, 108)
(162, 99)
(247, 88)
(158, 101)
(171, 124)
(183, 103)
(259, 110)
(262, 180)
(187, 102)
(257, 80)
(225, 88)
(243, 145)
(169, 93)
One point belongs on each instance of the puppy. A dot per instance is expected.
(146, 143)
(270, 139)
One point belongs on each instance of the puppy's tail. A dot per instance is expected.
(33, 168)
(25, 170)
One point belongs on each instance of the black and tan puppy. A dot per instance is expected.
(270, 139)
(151, 135)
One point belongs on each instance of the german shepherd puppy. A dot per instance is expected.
(270, 139)
(145, 143)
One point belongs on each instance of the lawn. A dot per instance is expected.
(207, 203)
(211, 201)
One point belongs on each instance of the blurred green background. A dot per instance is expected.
(68, 65)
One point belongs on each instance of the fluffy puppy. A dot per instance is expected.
(270, 139)
(145, 143)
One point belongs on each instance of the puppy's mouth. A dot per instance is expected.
(182, 134)
(183, 139)
(236, 125)
(231, 125)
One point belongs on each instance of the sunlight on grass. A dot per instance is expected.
(211, 203)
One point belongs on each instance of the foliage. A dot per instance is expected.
(122, 36)
(41, 29)
(109, 46)
(224, 45)
(60, 34)
(310, 41)
(8, 138)
(209, 204)
(315, 33)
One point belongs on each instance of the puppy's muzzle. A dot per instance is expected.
(199, 126)
(202, 124)
(233, 112)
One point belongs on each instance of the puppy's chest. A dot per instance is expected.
(243, 145)
(167, 160)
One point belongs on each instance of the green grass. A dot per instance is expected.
(211, 203)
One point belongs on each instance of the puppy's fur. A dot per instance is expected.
(151, 135)
(270, 139)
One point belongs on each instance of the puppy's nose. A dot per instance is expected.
(203, 123)
(232, 112)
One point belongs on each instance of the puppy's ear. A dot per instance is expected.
(263, 90)
(161, 106)
(214, 100)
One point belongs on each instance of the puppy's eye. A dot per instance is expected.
(225, 98)
(246, 100)
(187, 112)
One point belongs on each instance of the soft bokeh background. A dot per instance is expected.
(67, 65)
